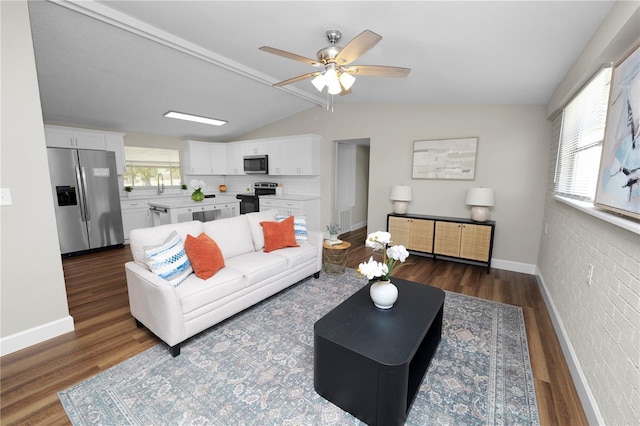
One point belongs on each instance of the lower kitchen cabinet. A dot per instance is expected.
(295, 206)
(135, 214)
(444, 237)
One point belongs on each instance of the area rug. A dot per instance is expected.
(256, 368)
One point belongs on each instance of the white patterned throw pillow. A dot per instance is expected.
(169, 260)
(299, 227)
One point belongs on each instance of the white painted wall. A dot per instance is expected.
(598, 325)
(33, 296)
(513, 155)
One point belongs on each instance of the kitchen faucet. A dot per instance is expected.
(160, 188)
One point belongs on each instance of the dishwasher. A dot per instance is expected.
(159, 216)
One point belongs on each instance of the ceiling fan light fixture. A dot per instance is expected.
(347, 80)
(194, 118)
(318, 82)
(332, 82)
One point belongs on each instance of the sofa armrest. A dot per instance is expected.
(316, 238)
(155, 303)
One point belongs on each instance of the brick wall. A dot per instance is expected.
(601, 321)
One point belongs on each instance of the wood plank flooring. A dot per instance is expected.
(105, 334)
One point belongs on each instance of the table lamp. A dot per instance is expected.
(480, 199)
(400, 195)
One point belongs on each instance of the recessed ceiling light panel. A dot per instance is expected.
(196, 118)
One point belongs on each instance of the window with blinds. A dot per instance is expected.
(144, 165)
(581, 136)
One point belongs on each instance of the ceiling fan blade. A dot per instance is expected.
(378, 71)
(296, 79)
(290, 55)
(358, 47)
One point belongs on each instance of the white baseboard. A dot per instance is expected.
(24, 339)
(359, 225)
(587, 399)
(509, 265)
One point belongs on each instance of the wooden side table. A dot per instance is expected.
(334, 257)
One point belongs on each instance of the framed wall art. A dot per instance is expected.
(618, 186)
(445, 159)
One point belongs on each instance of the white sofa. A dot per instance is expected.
(250, 275)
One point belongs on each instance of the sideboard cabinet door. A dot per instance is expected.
(475, 242)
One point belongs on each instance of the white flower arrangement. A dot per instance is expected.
(373, 269)
(196, 184)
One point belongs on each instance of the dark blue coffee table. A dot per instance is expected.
(371, 362)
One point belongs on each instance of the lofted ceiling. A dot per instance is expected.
(120, 65)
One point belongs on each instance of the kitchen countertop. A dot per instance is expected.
(176, 203)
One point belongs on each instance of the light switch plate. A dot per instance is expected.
(5, 197)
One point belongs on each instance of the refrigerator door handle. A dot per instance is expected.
(80, 177)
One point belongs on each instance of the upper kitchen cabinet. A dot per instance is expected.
(235, 158)
(295, 155)
(256, 147)
(115, 142)
(204, 158)
(68, 137)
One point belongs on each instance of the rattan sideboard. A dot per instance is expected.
(449, 238)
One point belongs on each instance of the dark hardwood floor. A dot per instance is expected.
(105, 334)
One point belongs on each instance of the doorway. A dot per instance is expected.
(352, 184)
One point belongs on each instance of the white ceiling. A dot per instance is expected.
(120, 65)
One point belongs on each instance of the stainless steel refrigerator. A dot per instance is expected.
(86, 199)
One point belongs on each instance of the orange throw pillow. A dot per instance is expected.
(279, 235)
(204, 254)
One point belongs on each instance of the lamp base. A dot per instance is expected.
(479, 213)
(400, 207)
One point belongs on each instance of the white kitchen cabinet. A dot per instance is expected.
(69, 137)
(235, 158)
(255, 147)
(204, 158)
(295, 155)
(115, 142)
(292, 205)
(135, 214)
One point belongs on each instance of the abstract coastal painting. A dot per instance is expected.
(619, 179)
(445, 159)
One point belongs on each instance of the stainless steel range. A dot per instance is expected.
(251, 202)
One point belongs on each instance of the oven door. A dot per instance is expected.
(248, 203)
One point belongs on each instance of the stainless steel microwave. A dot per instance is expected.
(256, 164)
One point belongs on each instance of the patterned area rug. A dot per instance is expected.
(257, 368)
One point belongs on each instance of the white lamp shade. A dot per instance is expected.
(347, 80)
(480, 197)
(400, 193)
(318, 82)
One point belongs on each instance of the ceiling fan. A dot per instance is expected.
(335, 71)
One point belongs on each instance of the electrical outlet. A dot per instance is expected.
(589, 274)
(546, 227)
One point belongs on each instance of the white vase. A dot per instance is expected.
(333, 237)
(384, 294)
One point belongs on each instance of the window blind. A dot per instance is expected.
(581, 135)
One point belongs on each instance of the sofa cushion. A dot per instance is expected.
(204, 254)
(258, 266)
(169, 260)
(278, 235)
(298, 255)
(256, 230)
(232, 235)
(195, 292)
(299, 227)
(139, 238)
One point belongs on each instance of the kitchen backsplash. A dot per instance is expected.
(290, 184)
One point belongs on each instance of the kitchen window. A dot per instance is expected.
(581, 136)
(143, 165)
